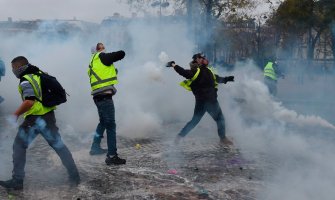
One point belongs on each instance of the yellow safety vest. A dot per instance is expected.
(187, 83)
(101, 75)
(37, 108)
(269, 71)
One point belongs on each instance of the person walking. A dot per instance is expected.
(103, 76)
(38, 119)
(271, 74)
(202, 81)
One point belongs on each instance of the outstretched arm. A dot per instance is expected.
(225, 79)
(109, 58)
(188, 74)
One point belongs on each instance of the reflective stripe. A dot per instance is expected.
(36, 86)
(94, 74)
(103, 81)
(269, 71)
(91, 70)
(187, 83)
(195, 75)
(214, 72)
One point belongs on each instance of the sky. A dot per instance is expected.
(88, 10)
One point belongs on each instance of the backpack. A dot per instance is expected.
(53, 93)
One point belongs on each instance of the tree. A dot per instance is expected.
(202, 17)
(295, 18)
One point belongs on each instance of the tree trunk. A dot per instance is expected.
(332, 35)
(209, 30)
(311, 45)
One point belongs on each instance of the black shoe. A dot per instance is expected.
(97, 151)
(16, 184)
(74, 180)
(115, 160)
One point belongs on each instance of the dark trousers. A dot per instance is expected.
(106, 113)
(201, 107)
(272, 85)
(99, 134)
(28, 130)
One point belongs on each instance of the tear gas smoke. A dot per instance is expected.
(149, 96)
(298, 146)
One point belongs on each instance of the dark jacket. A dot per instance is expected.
(109, 58)
(203, 87)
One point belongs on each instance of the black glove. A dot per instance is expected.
(169, 64)
(228, 78)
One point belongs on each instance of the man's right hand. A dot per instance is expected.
(170, 64)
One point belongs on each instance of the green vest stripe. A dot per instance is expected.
(187, 83)
(213, 72)
(35, 85)
(104, 81)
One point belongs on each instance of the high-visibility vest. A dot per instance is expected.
(37, 108)
(269, 71)
(187, 83)
(101, 75)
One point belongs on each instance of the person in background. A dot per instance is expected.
(271, 75)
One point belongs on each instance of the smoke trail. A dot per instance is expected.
(145, 84)
(299, 156)
(259, 104)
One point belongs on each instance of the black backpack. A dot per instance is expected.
(53, 93)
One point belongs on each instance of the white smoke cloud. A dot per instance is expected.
(149, 95)
(298, 147)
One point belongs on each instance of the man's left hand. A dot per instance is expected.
(229, 78)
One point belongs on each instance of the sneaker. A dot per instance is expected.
(226, 141)
(98, 151)
(16, 184)
(115, 160)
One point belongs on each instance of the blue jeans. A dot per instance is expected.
(201, 107)
(106, 113)
(28, 130)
